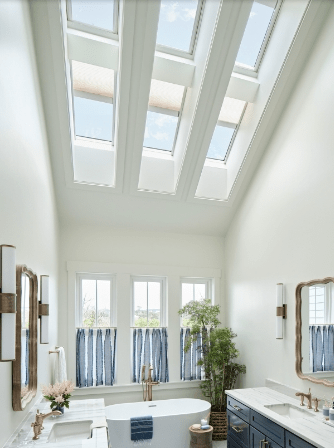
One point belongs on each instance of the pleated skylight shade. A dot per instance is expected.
(93, 79)
(231, 110)
(166, 95)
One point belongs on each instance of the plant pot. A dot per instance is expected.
(58, 408)
(218, 420)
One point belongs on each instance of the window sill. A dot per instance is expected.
(129, 388)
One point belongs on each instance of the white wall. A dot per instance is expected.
(284, 229)
(126, 252)
(28, 212)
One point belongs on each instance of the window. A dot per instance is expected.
(97, 13)
(96, 336)
(229, 119)
(260, 23)
(178, 24)
(317, 304)
(148, 302)
(194, 289)
(163, 115)
(93, 92)
(96, 301)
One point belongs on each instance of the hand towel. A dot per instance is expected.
(141, 428)
(60, 366)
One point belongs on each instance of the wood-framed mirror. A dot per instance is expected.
(315, 331)
(25, 364)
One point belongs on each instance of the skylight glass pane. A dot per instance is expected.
(99, 13)
(176, 23)
(160, 131)
(255, 32)
(93, 119)
(220, 142)
(231, 110)
(93, 79)
(166, 95)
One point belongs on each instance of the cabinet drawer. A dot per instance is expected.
(238, 408)
(231, 443)
(238, 429)
(268, 428)
(292, 441)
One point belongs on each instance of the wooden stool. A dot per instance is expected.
(200, 438)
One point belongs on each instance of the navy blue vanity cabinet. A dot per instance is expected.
(292, 441)
(249, 429)
(238, 430)
(257, 439)
(270, 429)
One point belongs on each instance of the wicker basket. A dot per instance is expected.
(218, 420)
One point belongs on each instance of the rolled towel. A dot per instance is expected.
(205, 427)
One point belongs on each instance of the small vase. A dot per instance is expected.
(58, 408)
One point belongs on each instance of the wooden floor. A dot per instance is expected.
(219, 444)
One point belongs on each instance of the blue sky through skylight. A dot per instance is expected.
(98, 13)
(93, 119)
(254, 34)
(160, 131)
(176, 23)
(220, 142)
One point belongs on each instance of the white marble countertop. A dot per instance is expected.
(312, 429)
(79, 410)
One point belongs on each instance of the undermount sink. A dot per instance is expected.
(289, 411)
(77, 430)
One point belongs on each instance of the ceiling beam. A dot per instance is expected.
(138, 32)
(228, 31)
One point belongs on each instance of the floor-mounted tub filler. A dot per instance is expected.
(171, 421)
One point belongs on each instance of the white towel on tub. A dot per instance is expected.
(60, 366)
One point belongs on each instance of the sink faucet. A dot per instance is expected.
(147, 393)
(308, 396)
(37, 426)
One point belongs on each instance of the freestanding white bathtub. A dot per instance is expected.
(171, 421)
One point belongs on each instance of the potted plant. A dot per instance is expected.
(218, 353)
(59, 394)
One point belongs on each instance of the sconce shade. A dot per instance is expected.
(7, 302)
(279, 304)
(44, 309)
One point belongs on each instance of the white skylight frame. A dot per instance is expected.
(94, 97)
(247, 69)
(236, 128)
(85, 27)
(174, 114)
(194, 37)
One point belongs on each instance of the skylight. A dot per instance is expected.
(93, 119)
(93, 91)
(178, 24)
(229, 119)
(165, 104)
(257, 32)
(98, 13)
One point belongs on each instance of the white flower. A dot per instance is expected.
(59, 399)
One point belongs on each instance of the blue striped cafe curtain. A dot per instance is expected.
(321, 347)
(189, 368)
(95, 357)
(150, 346)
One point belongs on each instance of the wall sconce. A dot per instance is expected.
(7, 302)
(281, 311)
(43, 309)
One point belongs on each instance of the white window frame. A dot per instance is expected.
(248, 70)
(209, 282)
(194, 37)
(328, 307)
(113, 299)
(163, 296)
(79, 26)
